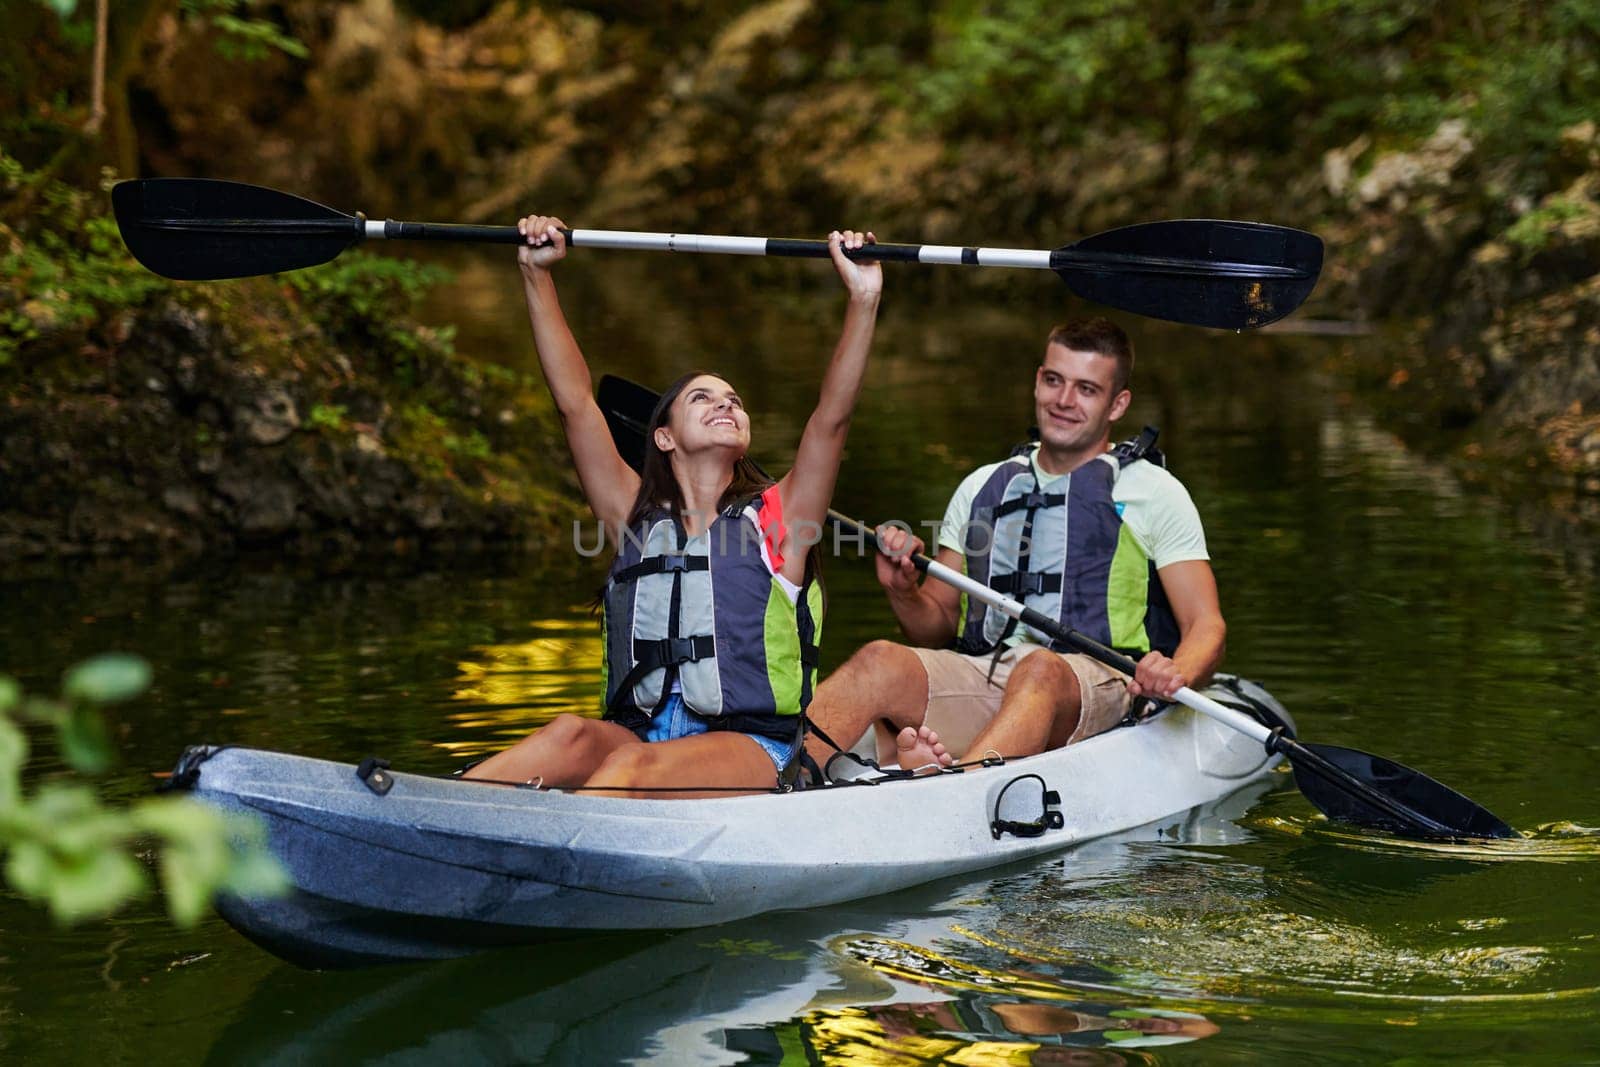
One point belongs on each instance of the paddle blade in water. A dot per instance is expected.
(199, 229)
(1440, 812)
(1228, 275)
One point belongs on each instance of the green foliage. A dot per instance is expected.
(367, 285)
(106, 680)
(65, 849)
(1231, 84)
(328, 417)
(434, 444)
(65, 269)
(363, 301)
(1022, 65)
(472, 445)
(1287, 81)
(240, 36)
(1533, 231)
(1525, 93)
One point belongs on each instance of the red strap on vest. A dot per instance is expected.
(769, 517)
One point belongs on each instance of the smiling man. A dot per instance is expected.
(1103, 539)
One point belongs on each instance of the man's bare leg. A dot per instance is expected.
(882, 682)
(1039, 710)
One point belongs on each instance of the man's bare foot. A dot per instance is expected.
(920, 747)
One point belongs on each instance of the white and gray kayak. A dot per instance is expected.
(392, 865)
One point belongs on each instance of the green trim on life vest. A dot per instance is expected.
(782, 637)
(1128, 593)
(961, 622)
(792, 1043)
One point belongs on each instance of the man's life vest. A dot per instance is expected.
(1066, 554)
(707, 613)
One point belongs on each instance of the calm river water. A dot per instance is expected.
(1386, 607)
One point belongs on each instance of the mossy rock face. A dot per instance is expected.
(172, 443)
(297, 416)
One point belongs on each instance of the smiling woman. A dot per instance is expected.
(712, 614)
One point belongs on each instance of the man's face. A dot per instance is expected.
(1074, 398)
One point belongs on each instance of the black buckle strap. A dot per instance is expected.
(1031, 501)
(649, 656)
(1140, 447)
(1026, 583)
(666, 563)
(671, 651)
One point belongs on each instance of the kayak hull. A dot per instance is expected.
(442, 867)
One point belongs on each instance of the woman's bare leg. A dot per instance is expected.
(563, 753)
(724, 759)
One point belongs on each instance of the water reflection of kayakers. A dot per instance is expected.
(986, 1028)
(1103, 540)
(711, 608)
(984, 1017)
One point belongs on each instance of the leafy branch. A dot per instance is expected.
(66, 849)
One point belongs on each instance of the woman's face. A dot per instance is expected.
(707, 414)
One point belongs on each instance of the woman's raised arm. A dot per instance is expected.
(807, 489)
(609, 484)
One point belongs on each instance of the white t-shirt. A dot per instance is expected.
(1154, 506)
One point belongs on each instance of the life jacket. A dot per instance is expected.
(1066, 554)
(708, 613)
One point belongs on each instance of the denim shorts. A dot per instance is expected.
(673, 719)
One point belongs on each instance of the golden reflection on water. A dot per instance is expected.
(504, 691)
(879, 1039)
(917, 964)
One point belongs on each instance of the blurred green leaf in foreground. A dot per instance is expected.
(66, 849)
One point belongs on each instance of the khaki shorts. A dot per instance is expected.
(963, 697)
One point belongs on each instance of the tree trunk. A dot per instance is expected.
(84, 152)
(97, 76)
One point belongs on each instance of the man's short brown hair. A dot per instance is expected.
(1098, 334)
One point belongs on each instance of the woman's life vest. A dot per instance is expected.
(708, 614)
(1067, 555)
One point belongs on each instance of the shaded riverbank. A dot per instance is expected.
(308, 416)
(1447, 157)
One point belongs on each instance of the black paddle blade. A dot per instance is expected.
(1204, 272)
(1426, 808)
(627, 407)
(200, 229)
